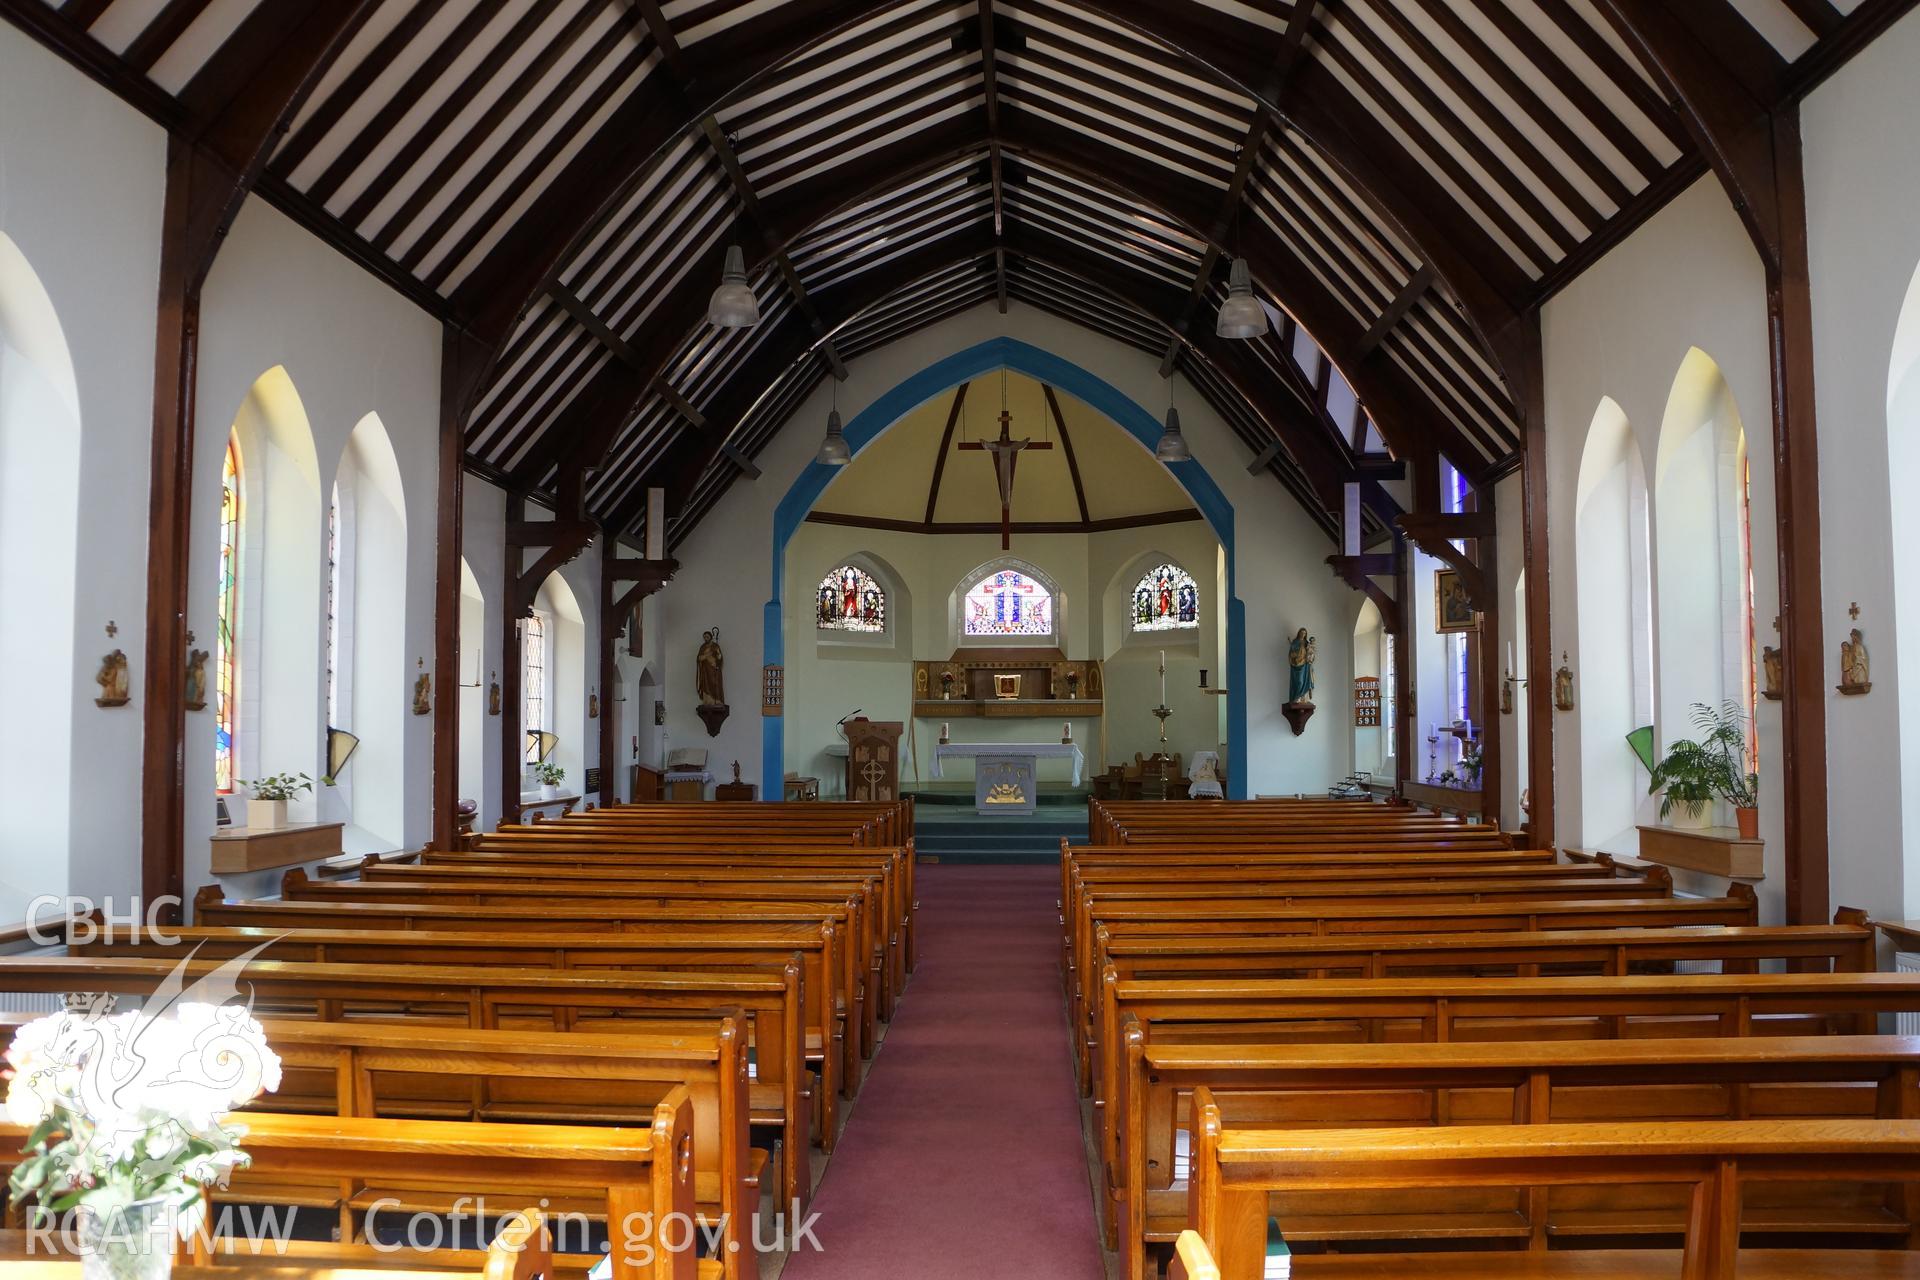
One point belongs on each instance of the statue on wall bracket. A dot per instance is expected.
(196, 687)
(709, 683)
(1299, 708)
(1854, 669)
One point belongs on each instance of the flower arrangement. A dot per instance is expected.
(127, 1113)
(278, 786)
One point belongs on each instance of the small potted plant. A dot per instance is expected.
(551, 775)
(267, 806)
(1692, 775)
(1470, 760)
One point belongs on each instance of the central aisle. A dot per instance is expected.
(963, 1154)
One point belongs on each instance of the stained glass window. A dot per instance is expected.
(1166, 599)
(851, 600)
(533, 680)
(1008, 603)
(225, 662)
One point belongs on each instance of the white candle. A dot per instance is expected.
(1509, 657)
(1066, 730)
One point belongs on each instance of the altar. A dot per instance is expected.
(1005, 774)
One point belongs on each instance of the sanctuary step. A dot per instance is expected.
(954, 834)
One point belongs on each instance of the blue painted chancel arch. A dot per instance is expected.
(1089, 389)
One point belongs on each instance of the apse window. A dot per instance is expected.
(1008, 603)
(1166, 599)
(850, 599)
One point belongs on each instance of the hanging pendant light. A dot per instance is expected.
(733, 305)
(1173, 445)
(1241, 315)
(833, 449)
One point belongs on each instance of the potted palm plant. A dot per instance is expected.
(267, 806)
(1693, 774)
(551, 776)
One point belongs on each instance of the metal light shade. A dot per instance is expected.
(733, 305)
(540, 745)
(1241, 315)
(340, 745)
(1173, 445)
(833, 449)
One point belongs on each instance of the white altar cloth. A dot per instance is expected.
(1037, 750)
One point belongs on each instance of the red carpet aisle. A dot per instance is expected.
(964, 1151)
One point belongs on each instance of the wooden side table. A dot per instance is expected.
(735, 791)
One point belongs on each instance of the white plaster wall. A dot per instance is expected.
(1283, 583)
(1863, 183)
(81, 189)
(483, 535)
(1688, 278)
(351, 346)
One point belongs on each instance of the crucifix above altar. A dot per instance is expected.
(1005, 452)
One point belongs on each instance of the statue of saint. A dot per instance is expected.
(1300, 654)
(707, 680)
(493, 693)
(1770, 659)
(422, 694)
(197, 680)
(112, 679)
(1853, 660)
(1563, 686)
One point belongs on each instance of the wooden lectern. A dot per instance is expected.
(873, 760)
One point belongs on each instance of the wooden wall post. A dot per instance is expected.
(235, 110)
(513, 608)
(462, 363)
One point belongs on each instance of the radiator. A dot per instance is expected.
(31, 1002)
(1907, 1024)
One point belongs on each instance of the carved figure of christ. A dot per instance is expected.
(1006, 452)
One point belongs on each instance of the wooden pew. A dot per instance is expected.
(678, 920)
(645, 1175)
(768, 950)
(850, 904)
(369, 1070)
(599, 1002)
(1310, 1087)
(1254, 917)
(1710, 1162)
(670, 875)
(1439, 1010)
(895, 865)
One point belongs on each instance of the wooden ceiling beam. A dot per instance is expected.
(946, 440)
(1403, 302)
(1480, 273)
(634, 137)
(990, 76)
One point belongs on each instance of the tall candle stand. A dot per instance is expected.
(1163, 710)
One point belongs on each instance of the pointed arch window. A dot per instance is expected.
(851, 599)
(1166, 599)
(225, 662)
(1007, 602)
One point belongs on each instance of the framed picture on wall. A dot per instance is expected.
(1452, 610)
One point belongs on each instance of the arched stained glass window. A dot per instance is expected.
(851, 599)
(225, 659)
(1008, 603)
(1166, 599)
